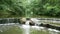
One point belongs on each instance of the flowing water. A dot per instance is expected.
(26, 27)
(16, 28)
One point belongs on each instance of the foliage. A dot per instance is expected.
(29, 8)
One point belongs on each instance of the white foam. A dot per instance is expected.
(53, 30)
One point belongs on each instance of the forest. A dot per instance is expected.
(29, 8)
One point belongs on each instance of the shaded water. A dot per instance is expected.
(16, 28)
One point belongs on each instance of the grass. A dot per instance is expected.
(31, 16)
(42, 16)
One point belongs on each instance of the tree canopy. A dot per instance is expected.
(29, 8)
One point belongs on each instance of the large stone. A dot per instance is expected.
(31, 23)
(23, 20)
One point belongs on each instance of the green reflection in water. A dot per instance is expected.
(34, 31)
(18, 30)
(12, 30)
(38, 32)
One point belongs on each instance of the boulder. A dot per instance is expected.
(41, 24)
(23, 20)
(31, 23)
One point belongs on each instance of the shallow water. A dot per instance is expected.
(25, 29)
(16, 28)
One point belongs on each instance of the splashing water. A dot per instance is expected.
(26, 28)
(27, 22)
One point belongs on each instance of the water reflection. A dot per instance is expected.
(28, 29)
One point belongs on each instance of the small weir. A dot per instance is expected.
(27, 25)
(9, 20)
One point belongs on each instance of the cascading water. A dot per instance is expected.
(26, 28)
(27, 22)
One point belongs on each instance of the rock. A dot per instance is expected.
(23, 20)
(41, 24)
(47, 25)
(27, 18)
(57, 28)
(31, 23)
